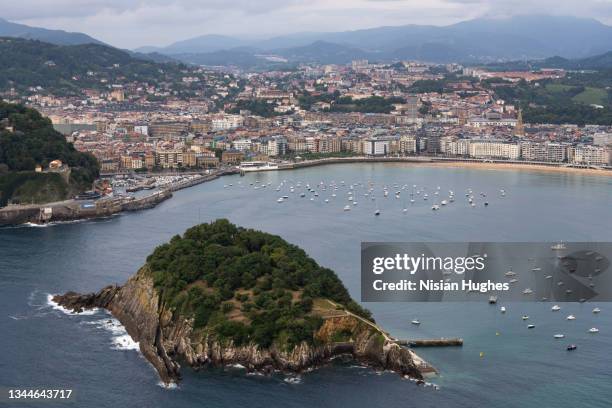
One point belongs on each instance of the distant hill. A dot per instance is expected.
(60, 37)
(68, 69)
(200, 44)
(596, 62)
(600, 62)
(478, 41)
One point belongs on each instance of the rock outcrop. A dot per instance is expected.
(164, 337)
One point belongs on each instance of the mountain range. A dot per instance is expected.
(476, 41)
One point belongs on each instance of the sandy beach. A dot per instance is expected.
(520, 167)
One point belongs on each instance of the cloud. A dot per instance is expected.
(132, 23)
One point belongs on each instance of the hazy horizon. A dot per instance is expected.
(132, 24)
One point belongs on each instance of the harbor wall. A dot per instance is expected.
(76, 209)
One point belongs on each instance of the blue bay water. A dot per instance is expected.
(43, 347)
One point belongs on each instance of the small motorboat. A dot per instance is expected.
(347, 208)
(280, 200)
(555, 308)
(571, 347)
(502, 309)
(525, 317)
(559, 336)
(492, 299)
(593, 330)
(527, 291)
(415, 322)
(531, 326)
(596, 310)
(377, 212)
(510, 273)
(571, 317)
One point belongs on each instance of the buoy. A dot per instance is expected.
(497, 333)
(481, 354)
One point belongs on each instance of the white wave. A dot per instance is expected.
(56, 306)
(53, 223)
(293, 380)
(110, 324)
(34, 225)
(121, 340)
(169, 386)
(125, 342)
(237, 365)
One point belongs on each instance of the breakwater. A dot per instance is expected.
(70, 210)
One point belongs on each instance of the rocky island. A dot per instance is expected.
(221, 295)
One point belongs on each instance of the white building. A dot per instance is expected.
(376, 147)
(242, 144)
(277, 146)
(589, 155)
(408, 144)
(492, 149)
(602, 139)
(227, 122)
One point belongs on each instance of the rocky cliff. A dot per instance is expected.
(165, 336)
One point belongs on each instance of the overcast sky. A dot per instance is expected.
(133, 23)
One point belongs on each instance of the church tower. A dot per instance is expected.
(519, 130)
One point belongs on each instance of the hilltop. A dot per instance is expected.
(60, 37)
(221, 294)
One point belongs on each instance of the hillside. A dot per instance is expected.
(221, 294)
(32, 141)
(69, 69)
(60, 37)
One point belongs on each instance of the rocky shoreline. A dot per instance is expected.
(165, 337)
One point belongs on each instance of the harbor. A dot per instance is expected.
(125, 194)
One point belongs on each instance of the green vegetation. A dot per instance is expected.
(31, 142)
(30, 187)
(257, 107)
(67, 70)
(567, 100)
(245, 285)
(429, 85)
(594, 96)
(373, 104)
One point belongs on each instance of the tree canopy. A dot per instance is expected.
(245, 285)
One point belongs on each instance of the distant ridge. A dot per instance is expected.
(482, 40)
(59, 37)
